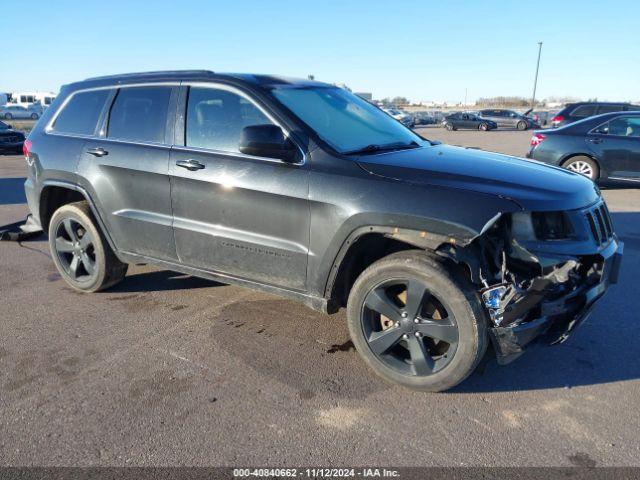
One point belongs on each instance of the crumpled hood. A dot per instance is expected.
(535, 186)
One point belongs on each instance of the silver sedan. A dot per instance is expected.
(9, 112)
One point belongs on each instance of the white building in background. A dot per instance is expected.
(26, 99)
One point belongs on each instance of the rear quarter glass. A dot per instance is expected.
(80, 114)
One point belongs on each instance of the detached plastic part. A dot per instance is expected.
(20, 231)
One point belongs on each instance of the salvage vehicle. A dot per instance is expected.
(304, 190)
(603, 148)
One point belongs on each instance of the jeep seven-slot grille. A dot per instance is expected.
(600, 224)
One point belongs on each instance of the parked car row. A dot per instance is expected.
(468, 120)
(403, 117)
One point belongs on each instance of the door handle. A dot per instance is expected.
(97, 152)
(191, 165)
(596, 140)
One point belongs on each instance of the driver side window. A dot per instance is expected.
(216, 117)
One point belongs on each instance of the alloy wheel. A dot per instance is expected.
(581, 167)
(75, 249)
(408, 328)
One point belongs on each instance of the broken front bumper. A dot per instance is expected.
(559, 317)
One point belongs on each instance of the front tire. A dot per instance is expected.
(416, 323)
(449, 127)
(34, 116)
(522, 125)
(484, 127)
(584, 166)
(80, 251)
(8, 116)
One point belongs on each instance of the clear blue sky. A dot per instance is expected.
(424, 50)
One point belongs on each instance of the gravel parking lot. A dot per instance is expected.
(166, 369)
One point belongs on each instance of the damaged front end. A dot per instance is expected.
(540, 273)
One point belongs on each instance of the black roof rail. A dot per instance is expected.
(152, 74)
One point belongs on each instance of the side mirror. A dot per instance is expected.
(267, 141)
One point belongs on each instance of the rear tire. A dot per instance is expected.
(449, 127)
(583, 165)
(80, 251)
(8, 116)
(34, 116)
(432, 350)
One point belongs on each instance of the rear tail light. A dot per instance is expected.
(26, 147)
(557, 119)
(537, 139)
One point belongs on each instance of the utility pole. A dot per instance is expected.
(465, 98)
(535, 82)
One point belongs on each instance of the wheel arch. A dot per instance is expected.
(56, 193)
(367, 245)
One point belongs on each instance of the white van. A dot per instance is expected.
(26, 99)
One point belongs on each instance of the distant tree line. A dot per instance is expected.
(395, 101)
(504, 102)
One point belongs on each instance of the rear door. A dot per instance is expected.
(490, 115)
(127, 168)
(236, 214)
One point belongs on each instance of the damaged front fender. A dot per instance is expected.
(530, 291)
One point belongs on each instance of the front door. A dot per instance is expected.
(236, 214)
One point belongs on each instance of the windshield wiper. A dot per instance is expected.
(376, 148)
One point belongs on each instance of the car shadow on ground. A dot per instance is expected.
(603, 350)
(159, 281)
(12, 191)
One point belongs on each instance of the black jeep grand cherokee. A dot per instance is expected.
(304, 190)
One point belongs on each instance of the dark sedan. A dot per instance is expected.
(605, 147)
(10, 140)
(468, 120)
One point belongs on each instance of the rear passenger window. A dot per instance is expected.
(584, 111)
(139, 114)
(609, 109)
(80, 115)
(215, 118)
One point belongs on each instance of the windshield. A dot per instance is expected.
(3, 126)
(343, 120)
